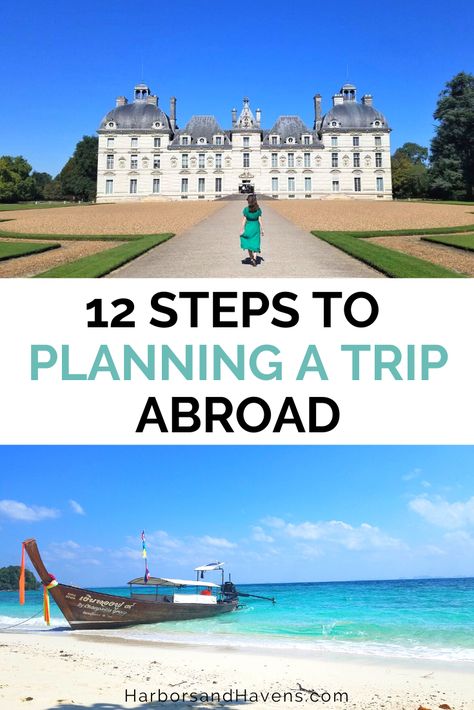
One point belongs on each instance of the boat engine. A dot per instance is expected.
(229, 591)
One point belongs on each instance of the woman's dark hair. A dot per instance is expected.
(252, 201)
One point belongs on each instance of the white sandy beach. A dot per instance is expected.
(44, 671)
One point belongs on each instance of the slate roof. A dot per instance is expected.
(201, 127)
(136, 116)
(290, 127)
(352, 115)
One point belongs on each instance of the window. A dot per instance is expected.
(110, 142)
(306, 140)
(133, 187)
(356, 160)
(246, 141)
(274, 140)
(334, 124)
(184, 184)
(307, 160)
(291, 160)
(307, 184)
(134, 142)
(156, 185)
(376, 123)
(156, 142)
(110, 162)
(357, 184)
(291, 184)
(380, 184)
(133, 162)
(185, 140)
(378, 160)
(334, 141)
(184, 160)
(335, 185)
(290, 140)
(201, 160)
(218, 160)
(218, 140)
(274, 160)
(355, 141)
(201, 185)
(109, 187)
(334, 160)
(378, 141)
(274, 184)
(218, 184)
(246, 159)
(156, 162)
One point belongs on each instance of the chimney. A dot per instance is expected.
(173, 113)
(317, 112)
(121, 101)
(367, 99)
(234, 117)
(337, 99)
(153, 100)
(258, 117)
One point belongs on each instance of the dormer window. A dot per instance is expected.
(274, 140)
(184, 140)
(290, 139)
(306, 140)
(218, 140)
(377, 124)
(334, 124)
(111, 124)
(202, 141)
(158, 124)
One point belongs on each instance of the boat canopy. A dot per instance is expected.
(164, 582)
(210, 567)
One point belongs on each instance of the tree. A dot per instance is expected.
(452, 148)
(15, 181)
(409, 171)
(41, 180)
(10, 576)
(78, 178)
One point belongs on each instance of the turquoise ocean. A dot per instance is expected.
(426, 619)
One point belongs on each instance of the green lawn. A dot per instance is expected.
(11, 250)
(97, 265)
(392, 263)
(441, 202)
(37, 205)
(459, 241)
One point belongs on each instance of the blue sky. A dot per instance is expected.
(62, 68)
(271, 513)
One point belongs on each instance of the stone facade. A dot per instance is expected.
(143, 155)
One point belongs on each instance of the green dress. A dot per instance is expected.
(250, 239)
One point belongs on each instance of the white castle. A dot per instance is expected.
(143, 155)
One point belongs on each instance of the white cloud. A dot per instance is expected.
(77, 507)
(72, 550)
(337, 532)
(411, 475)
(272, 522)
(217, 542)
(15, 510)
(260, 535)
(438, 511)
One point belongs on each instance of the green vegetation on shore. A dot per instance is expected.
(10, 576)
(9, 207)
(389, 262)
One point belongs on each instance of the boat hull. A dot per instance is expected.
(85, 609)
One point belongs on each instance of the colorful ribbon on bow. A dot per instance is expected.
(46, 588)
(21, 581)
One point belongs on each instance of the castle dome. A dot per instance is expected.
(351, 115)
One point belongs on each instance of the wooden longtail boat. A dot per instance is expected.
(85, 609)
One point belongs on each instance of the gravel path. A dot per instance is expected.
(132, 218)
(457, 259)
(25, 266)
(362, 215)
(212, 249)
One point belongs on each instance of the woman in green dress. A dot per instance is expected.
(252, 229)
